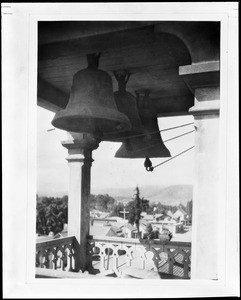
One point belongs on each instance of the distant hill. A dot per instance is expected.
(170, 195)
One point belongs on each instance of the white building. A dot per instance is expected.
(180, 215)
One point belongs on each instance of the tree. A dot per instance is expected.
(189, 211)
(182, 207)
(116, 211)
(102, 202)
(135, 208)
(150, 234)
(51, 215)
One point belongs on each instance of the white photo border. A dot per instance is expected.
(20, 147)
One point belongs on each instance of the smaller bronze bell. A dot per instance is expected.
(91, 107)
(126, 104)
(142, 147)
(139, 147)
(149, 145)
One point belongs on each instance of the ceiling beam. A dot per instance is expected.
(100, 43)
(173, 114)
(169, 105)
(52, 32)
(50, 97)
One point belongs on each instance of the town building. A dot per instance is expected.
(180, 215)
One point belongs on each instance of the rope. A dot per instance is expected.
(176, 127)
(174, 157)
(141, 134)
(175, 137)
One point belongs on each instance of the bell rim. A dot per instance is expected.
(142, 156)
(111, 121)
(123, 153)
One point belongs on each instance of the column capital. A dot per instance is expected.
(206, 101)
(84, 141)
(203, 79)
(201, 75)
(80, 146)
(207, 109)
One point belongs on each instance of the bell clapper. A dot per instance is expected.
(148, 165)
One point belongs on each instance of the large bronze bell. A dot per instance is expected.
(150, 145)
(91, 107)
(126, 103)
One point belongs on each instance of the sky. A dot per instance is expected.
(108, 171)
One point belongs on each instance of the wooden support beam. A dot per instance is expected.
(169, 106)
(90, 44)
(203, 74)
(51, 32)
(173, 114)
(50, 97)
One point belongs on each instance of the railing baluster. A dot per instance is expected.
(48, 251)
(46, 259)
(119, 261)
(185, 263)
(102, 257)
(115, 257)
(47, 255)
(129, 256)
(70, 261)
(55, 259)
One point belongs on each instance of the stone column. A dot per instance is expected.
(203, 80)
(80, 147)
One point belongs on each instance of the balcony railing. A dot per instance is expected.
(112, 254)
(169, 259)
(56, 254)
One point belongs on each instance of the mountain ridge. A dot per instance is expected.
(166, 194)
(169, 194)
